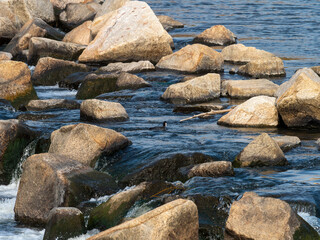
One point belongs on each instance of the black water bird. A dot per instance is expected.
(164, 127)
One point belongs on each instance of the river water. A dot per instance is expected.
(289, 29)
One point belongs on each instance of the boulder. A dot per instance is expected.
(258, 111)
(15, 83)
(269, 67)
(85, 143)
(130, 81)
(286, 143)
(174, 220)
(14, 137)
(254, 217)
(40, 105)
(217, 35)
(60, 5)
(200, 89)
(316, 69)
(133, 67)
(299, 99)
(43, 47)
(194, 58)
(109, 6)
(99, 110)
(80, 35)
(64, 223)
(41, 9)
(5, 56)
(249, 88)
(238, 53)
(73, 80)
(145, 37)
(49, 71)
(262, 151)
(52, 180)
(201, 107)
(7, 29)
(169, 23)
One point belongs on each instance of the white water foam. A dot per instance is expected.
(312, 220)
(87, 235)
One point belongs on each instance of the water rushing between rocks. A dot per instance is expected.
(289, 29)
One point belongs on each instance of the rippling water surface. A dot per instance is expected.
(289, 29)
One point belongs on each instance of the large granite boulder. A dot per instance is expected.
(262, 151)
(99, 110)
(254, 217)
(80, 35)
(258, 111)
(49, 71)
(193, 59)
(132, 67)
(40, 9)
(14, 137)
(169, 23)
(40, 105)
(299, 99)
(217, 35)
(175, 220)
(52, 180)
(200, 89)
(15, 83)
(109, 6)
(7, 29)
(145, 37)
(85, 143)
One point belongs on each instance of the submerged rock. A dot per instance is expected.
(64, 223)
(217, 35)
(201, 107)
(258, 111)
(286, 143)
(85, 143)
(254, 217)
(177, 219)
(73, 80)
(262, 151)
(80, 35)
(169, 23)
(132, 67)
(35, 117)
(39, 105)
(200, 89)
(194, 58)
(51, 180)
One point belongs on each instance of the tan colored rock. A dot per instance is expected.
(269, 67)
(299, 99)
(5, 56)
(49, 71)
(132, 67)
(145, 37)
(80, 35)
(257, 218)
(238, 53)
(85, 143)
(262, 151)
(41, 9)
(286, 143)
(200, 89)
(249, 88)
(177, 219)
(7, 29)
(169, 23)
(62, 4)
(43, 47)
(51, 180)
(256, 112)
(130, 81)
(316, 69)
(193, 58)
(99, 110)
(217, 35)
(210, 169)
(15, 83)
(99, 22)
(39, 105)
(109, 6)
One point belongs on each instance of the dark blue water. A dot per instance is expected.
(289, 29)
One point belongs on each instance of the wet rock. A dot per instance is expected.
(166, 169)
(286, 143)
(15, 83)
(49, 71)
(99, 110)
(202, 107)
(40, 105)
(178, 218)
(238, 53)
(194, 58)
(270, 67)
(200, 89)
(232, 71)
(249, 88)
(64, 223)
(14, 137)
(254, 217)
(80, 35)
(316, 69)
(85, 143)
(169, 23)
(43, 47)
(51, 180)
(73, 80)
(35, 117)
(109, 6)
(130, 81)
(145, 37)
(256, 112)
(299, 99)
(133, 67)
(262, 151)
(76, 14)
(217, 35)
(5, 55)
